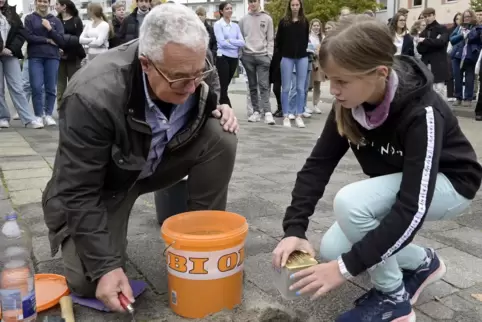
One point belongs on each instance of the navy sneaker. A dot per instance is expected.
(416, 281)
(376, 306)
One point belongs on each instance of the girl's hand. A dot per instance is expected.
(318, 279)
(288, 245)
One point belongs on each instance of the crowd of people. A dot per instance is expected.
(155, 110)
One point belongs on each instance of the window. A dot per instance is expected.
(417, 3)
(382, 5)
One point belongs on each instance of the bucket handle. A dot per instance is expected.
(165, 249)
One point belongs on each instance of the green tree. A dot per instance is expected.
(476, 5)
(324, 10)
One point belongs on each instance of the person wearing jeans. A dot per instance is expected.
(466, 43)
(230, 41)
(292, 41)
(405, 138)
(45, 39)
(257, 30)
(11, 29)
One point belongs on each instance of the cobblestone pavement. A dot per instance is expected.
(267, 162)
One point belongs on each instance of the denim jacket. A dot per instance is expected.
(474, 44)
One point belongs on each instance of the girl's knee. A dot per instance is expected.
(344, 204)
(334, 243)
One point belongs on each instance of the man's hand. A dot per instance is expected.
(6, 52)
(109, 287)
(228, 119)
(46, 24)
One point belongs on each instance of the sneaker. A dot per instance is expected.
(4, 124)
(287, 122)
(316, 109)
(268, 118)
(299, 122)
(306, 114)
(416, 281)
(35, 124)
(451, 99)
(255, 117)
(16, 117)
(291, 116)
(376, 306)
(49, 120)
(308, 110)
(278, 113)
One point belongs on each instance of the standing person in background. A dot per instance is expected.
(451, 82)
(317, 75)
(417, 27)
(258, 33)
(73, 52)
(401, 38)
(119, 12)
(12, 33)
(213, 46)
(275, 78)
(292, 42)
(96, 33)
(466, 43)
(432, 45)
(230, 41)
(45, 36)
(345, 12)
(129, 29)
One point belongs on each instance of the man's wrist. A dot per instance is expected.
(341, 265)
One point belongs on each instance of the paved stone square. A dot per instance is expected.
(267, 162)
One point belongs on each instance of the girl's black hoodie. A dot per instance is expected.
(420, 138)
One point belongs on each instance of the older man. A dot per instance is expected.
(134, 120)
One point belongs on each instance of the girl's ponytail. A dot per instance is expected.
(111, 28)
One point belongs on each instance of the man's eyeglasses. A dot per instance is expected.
(182, 83)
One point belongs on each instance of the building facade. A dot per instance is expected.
(445, 10)
(387, 9)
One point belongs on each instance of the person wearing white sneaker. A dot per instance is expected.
(11, 30)
(317, 75)
(291, 42)
(258, 33)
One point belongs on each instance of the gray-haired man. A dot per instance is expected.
(135, 120)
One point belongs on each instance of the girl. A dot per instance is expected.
(292, 41)
(406, 138)
(230, 41)
(415, 31)
(96, 34)
(451, 82)
(275, 79)
(317, 76)
(73, 52)
(466, 44)
(11, 31)
(401, 39)
(119, 12)
(45, 38)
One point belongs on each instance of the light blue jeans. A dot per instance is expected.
(359, 207)
(301, 67)
(27, 89)
(292, 95)
(11, 74)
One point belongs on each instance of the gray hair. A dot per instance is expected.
(171, 23)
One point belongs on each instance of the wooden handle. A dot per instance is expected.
(66, 309)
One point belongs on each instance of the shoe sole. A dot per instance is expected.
(408, 318)
(434, 277)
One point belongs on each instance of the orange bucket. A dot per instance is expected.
(205, 261)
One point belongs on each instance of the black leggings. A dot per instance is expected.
(226, 68)
(277, 92)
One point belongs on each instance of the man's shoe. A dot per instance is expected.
(376, 306)
(416, 281)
